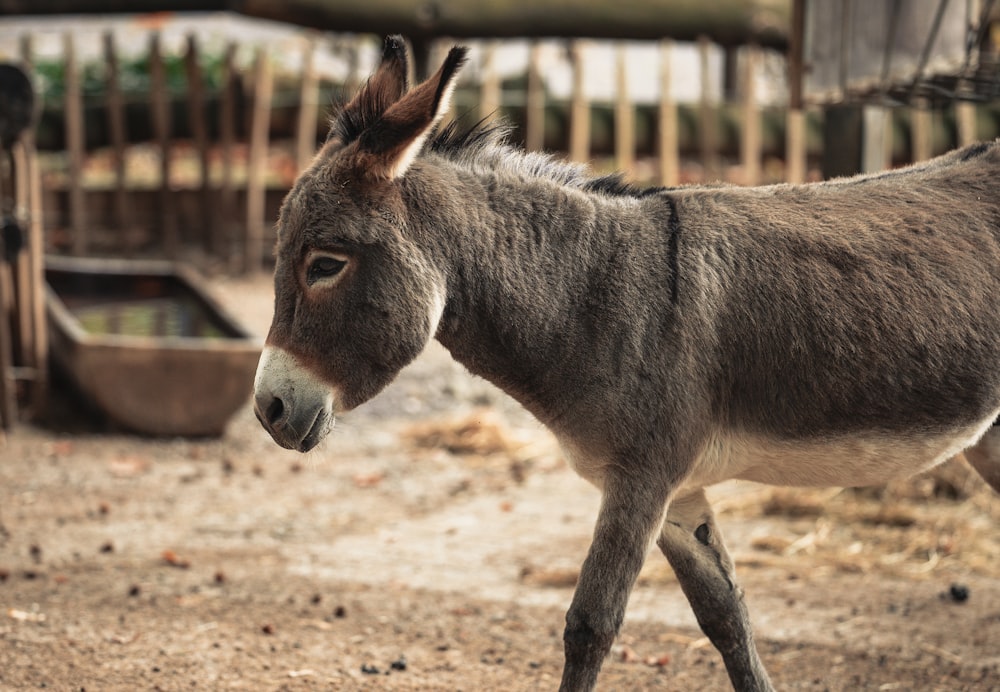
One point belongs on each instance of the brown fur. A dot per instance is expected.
(834, 333)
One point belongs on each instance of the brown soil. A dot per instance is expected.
(432, 543)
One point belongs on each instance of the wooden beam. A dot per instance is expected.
(624, 116)
(257, 162)
(579, 117)
(160, 114)
(80, 241)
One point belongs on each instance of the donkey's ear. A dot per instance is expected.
(386, 86)
(387, 149)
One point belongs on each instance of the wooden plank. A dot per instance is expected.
(795, 130)
(579, 122)
(305, 145)
(534, 108)
(669, 150)
(750, 140)
(115, 105)
(921, 132)
(224, 234)
(80, 241)
(490, 93)
(35, 251)
(8, 311)
(707, 125)
(624, 116)
(965, 123)
(257, 162)
(160, 113)
(199, 132)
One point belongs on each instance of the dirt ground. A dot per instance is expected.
(432, 544)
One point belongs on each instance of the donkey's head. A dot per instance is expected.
(355, 299)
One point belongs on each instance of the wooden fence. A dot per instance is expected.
(222, 170)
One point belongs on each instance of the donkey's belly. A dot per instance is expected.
(847, 461)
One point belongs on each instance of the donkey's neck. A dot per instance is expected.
(535, 297)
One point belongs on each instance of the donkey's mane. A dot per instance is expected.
(485, 146)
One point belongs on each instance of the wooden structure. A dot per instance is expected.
(148, 345)
(23, 343)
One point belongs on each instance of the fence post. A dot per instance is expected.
(534, 107)
(490, 96)
(305, 145)
(579, 122)
(35, 265)
(624, 116)
(750, 141)
(707, 138)
(224, 237)
(199, 131)
(118, 136)
(669, 158)
(260, 122)
(160, 114)
(80, 241)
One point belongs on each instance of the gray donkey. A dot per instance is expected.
(839, 333)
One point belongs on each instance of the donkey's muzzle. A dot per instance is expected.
(292, 406)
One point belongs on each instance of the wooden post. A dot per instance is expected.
(35, 253)
(490, 96)
(579, 123)
(706, 114)
(921, 132)
(965, 123)
(160, 113)
(257, 162)
(534, 107)
(624, 116)
(669, 153)
(305, 145)
(75, 149)
(750, 142)
(8, 309)
(118, 137)
(199, 132)
(224, 235)
(795, 124)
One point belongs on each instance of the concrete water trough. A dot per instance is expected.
(148, 345)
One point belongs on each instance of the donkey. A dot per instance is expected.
(838, 333)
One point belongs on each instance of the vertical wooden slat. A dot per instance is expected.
(579, 123)
(35, 253)
(8, 399)
(795, 130)
(534, 108)
(305, 145)
(707, 137)
(160, 113)
(224, 234)
(117, 134)
(669, 155)
(257, 162)
(75, 149)
(624, 116)
(965, 123)
(199, 131)
(922, 132)
(750, 140)
(489, 88)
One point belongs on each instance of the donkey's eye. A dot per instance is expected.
(324, 267)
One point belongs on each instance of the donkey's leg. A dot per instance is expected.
(985, 457)
(631, 512)
(693, 545)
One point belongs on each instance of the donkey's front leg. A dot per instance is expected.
(693, 545)
(631, 511)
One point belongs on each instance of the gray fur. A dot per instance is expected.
(828, 333)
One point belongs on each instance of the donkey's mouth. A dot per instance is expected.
(321, 425)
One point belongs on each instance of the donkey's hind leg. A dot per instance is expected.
(984, 456)
(692, 543)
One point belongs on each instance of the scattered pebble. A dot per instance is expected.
(340, 612)
(267, 629)
(108, 547)
(370, 670)
(399, 663)
(959, 593)
(174, 560)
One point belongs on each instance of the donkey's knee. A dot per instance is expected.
(984, 456)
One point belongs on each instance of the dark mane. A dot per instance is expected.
(485, 145)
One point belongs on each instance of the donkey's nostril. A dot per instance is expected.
(274, 411)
